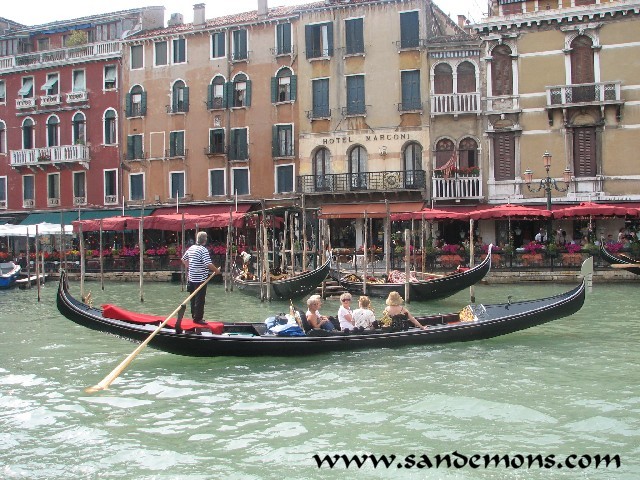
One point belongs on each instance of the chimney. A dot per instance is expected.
(263, 8)
(198, 14)
(462, 21)
(175, 19)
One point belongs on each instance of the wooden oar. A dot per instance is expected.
(108, 380)
(625, 265)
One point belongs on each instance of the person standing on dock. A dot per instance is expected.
(198, 263)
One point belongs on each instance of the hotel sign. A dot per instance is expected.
(384, 137)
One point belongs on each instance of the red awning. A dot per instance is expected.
(590, 209)
(510, 210)
(174, 222)
(373, 210)
(204, 209)
(430, 214)
(108, 224)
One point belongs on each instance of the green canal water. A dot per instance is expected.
(566, 388)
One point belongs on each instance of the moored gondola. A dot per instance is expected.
(473, 322)
(620, 261)
(295, 286)
(436, 287)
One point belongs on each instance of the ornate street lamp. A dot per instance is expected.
(547, 184)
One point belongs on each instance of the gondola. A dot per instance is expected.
(423, 290)
(620, 260)
(9, 273)
(292, 287)
(252, 339)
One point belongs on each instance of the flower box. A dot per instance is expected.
(450, 261)
(532, 259)
(571, 259)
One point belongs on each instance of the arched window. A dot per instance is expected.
(136, 102)
(53, 131)
(28, 131)
(216, 98)
(284, 80)
(78, 126)
(468, 153)
(445, 151)
(241, 91)
(3, 137)
(412, 164)
(582, 69)
(179, 97)
(501, 71)
(358, 168)
(442, 79)
(110, 122)
(466, 78)
(321, 169)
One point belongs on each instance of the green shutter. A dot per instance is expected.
(186, 99)
(180, 143)
(227, 100)
(138, 147)
(274, 90)
(130, 155)
(233, 145)
(293, 87)
(209, 97)
(243, 150)
(143, 104)
(308, 39)
(127, 105)
(248, 94)
(330, 38)
(274, 141)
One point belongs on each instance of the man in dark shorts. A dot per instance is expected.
(198, 264)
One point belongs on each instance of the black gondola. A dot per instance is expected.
(620, 260)
(252, 339)
(422, 290)
(292, 287)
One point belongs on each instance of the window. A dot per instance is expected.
(136, 102)
(179, 97)
(284, 178)
(445, 151)
(582, 70)
(442, 79)
(504, 147)
(584, 152)
(319, 40)
(412, 164)
(283, 86)
(26, 91)
(282, 144)
(3, 137)
(240, 181)
(354, 36)
(137, 57)
(501, 71)
(409, 30)
(28, 132)
(179, 50)
(239, 38)
(161, 54)
(110, 77)
(320, 91)
(358, 168)
(134, 147)
(216, 182)
(78, 127)
(28, 190)
(79, 188)
(176, 184)
(238, 149)
(216, 141)
(355, 95)
(468, 153)
(136, 186)
(215, 96)
(51, 85)
(218, 45)
(79, 84)
(466, 78)
(43, 44)
(3, 92)
(53, 189)
(53, 131)
(283, 39)
(321, 170)
(410, 80)
(241, 91)
(110, 124)
(176, 144)
(110, 186)
(3, 192)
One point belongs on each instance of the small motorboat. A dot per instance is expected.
(9, 273)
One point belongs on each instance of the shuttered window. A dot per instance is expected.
(584, 152)
(283, 38)
(218, 45)
(216, 182)
(501, 71)
(320, 89)
(409, 30)
(442, 79)
(240, 178)
(582, 70)
(136, 186)
(504, 147)
(239, 44)
(355, 95)
(284, 178)
(466, 78)
(238, 144)
(319, 40)
(410, 80)
(354, 36)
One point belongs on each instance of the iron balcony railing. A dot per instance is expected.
(600, 93)
(360, 182)
(60, 56)
(48, 155)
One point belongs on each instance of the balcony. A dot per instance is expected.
(28, 203)
(456, 187)
(3, 204)
(49, 100)
(79, 201)
(41, 157)
(319, 113)
(176, 153)
(110, 199)
(455, 104)
(215, 149)
(586, 94)
(61, 56)
(362, 182)
(53, 202)
(75, 97)
(22, 103)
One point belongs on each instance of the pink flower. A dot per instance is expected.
(450, 249)
(533, 247)
(573, 248)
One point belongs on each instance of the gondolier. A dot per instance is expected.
(198, 264)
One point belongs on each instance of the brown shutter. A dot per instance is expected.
(584, 152)
(501, 72)
(582, 60)
(442, 79)
(504, 146)
(466, 78)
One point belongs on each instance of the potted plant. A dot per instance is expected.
(532, 255)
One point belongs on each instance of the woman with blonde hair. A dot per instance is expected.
(345, 315)
(396, 310)
(363, 316)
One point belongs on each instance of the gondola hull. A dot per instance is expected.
(620, 259)
(425, 290)
(249, 339)
(294, 287)
(9, 273)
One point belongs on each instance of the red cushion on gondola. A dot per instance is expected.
(117, 313)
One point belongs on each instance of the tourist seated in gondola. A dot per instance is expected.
(345, 314)
(315, 319)
(363, 316)
(396, 310)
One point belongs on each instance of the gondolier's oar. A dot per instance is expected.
(108, 380)
(625, 265)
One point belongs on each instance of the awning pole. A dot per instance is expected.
(141, 256)
(407, 258)
(101, 259)
(81, 241)
(37, 266)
